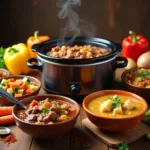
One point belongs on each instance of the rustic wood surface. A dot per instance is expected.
(77, 139)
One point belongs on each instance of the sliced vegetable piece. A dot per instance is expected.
(11, 80)
(17, 94)
(6, 110)
(15, 90)
(21, 91)
(28, 91)
(33, 87)
(47, 105)
(7, 86)
(7, 119)
(4, 81)
(10, 91)
(33, 103)
(13, 85)
(24, 86)
(26, 80)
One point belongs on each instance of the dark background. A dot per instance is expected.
(112, 18)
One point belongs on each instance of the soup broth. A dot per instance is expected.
(107, 107)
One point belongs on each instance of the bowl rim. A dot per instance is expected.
(132, 70)
(120, 92)
(4, 70)
(22, 76)
(55, 124)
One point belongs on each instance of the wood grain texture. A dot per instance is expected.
(23, 140)
(77, 139)
(113, 139)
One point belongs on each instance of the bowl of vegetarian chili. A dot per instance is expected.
(46, 116)
(137, 80)
(19, 86)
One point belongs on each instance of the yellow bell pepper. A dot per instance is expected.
(16, 57)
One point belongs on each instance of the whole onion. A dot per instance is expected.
(144, 60)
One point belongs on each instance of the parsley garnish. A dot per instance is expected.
(146, 119)
(145, 74)
(116, 105)
(116, 101)
(45, 110)
(122, 146)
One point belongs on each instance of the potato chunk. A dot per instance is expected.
(118, 110)
(128, 105)
(106, 106)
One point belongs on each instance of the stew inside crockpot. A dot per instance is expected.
(77, 52)
(46, 112)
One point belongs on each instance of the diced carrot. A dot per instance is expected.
(7, 86)
(24, 86)
(14, 85)
(6, 110)
(11, 80)
(7, 119)
(33, 103)
(28, 91)
(20, 84)
(47, 105)
(17, 94)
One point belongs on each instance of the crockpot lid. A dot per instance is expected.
(46, 46)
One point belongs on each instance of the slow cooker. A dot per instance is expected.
(77, 77)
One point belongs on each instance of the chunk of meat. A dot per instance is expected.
(128, 105)
(28, 111)
(55, 107)
(51, 116)
(106, 106)
(36, 110)
(31, 117)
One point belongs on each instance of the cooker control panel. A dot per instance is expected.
(75, 87)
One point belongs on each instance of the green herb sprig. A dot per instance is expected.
(122, 146)
(45, 110)
(144, 74)
(116, 101)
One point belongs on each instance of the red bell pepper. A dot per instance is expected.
(134, 45)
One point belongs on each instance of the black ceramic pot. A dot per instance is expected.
(77, 77)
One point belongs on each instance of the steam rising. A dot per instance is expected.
(74, 26)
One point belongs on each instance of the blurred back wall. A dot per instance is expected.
(112, 18)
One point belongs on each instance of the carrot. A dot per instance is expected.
(17, 95)
(7, 86)
(11, 80)
(28, 91)
(33, 103)
(24, 86)
(13, 85)
(6, 110)
(46, 105)
(7, 119)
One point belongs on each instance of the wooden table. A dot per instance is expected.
(77, 139)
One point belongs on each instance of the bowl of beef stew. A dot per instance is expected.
(46, 116)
